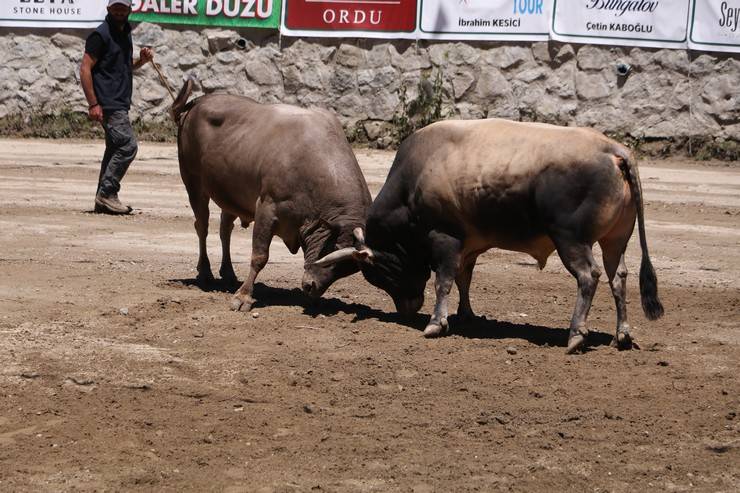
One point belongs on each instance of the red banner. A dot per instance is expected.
(351, 15)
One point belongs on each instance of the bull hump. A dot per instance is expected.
(288, 110)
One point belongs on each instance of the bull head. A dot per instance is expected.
(385, 272)
(361, 253)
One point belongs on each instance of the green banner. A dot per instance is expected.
(228, 13)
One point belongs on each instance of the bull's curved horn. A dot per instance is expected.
(334, 257)
(359, 236)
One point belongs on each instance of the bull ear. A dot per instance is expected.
(364, 255)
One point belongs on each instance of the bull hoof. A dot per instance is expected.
(204, 279)
(466, 315)
(436, 329)
(242, 304)
(624, 341)
(230, 280)
(228, 276)
(575, 343)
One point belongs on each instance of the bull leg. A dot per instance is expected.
(579, 260)
(446, 258)
(462, 281)
(265, 221)
(616, 271)
(199, 204)
(225, 229)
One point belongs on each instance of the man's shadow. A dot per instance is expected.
(476, 328)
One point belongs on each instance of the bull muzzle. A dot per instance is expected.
(311, 287)
(407, 307)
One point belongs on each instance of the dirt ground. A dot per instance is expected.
(118, 373)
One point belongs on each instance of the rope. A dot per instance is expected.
(163, 80)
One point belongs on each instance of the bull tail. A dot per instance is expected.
(180, 106)
(651, 305)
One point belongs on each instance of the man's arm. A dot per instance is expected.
(95, 112)
(145, 55)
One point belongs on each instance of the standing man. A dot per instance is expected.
(107, 78)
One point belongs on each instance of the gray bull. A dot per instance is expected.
(288, 169)
(458, 188)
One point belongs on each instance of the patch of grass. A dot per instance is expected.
(723, 150)
(701, 148)
(425, 109)
(155, 130)
(64, 124)
(68, 124)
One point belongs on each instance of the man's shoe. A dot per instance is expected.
(110, 205)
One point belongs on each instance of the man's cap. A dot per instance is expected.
(127, 3)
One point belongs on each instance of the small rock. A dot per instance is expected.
(208, 439)
(255, 314)
(720, 447)
(536, 394)
(662, 363)
(81, 380)
(137, 385)
(307, 409)
(565, 435)
(511, 350)
(503, 420)
(731, 415)
(123, 311)
(29, 374)
(199, 335)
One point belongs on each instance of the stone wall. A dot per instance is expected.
(667, 93)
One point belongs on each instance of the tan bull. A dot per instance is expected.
(458, 188)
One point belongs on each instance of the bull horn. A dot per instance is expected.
(334, 257)
(359, 236)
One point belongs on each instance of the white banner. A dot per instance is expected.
(715, 25)
(52, 13)
(650, 23)
(504, 20)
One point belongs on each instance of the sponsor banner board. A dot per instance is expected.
(226, 13)
(52, 13)
(649, 23)
(715, 25)
(496, 20)
(350, 18)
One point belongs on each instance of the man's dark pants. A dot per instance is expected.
(120, 151)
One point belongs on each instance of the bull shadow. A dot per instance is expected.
(326, 305)
(476, 328)
(483, 328)
(265, 295)
(215, 286)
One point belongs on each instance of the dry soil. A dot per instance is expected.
(118, 373)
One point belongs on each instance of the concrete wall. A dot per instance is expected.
(668, 93)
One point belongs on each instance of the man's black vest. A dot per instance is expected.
(113, 73)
